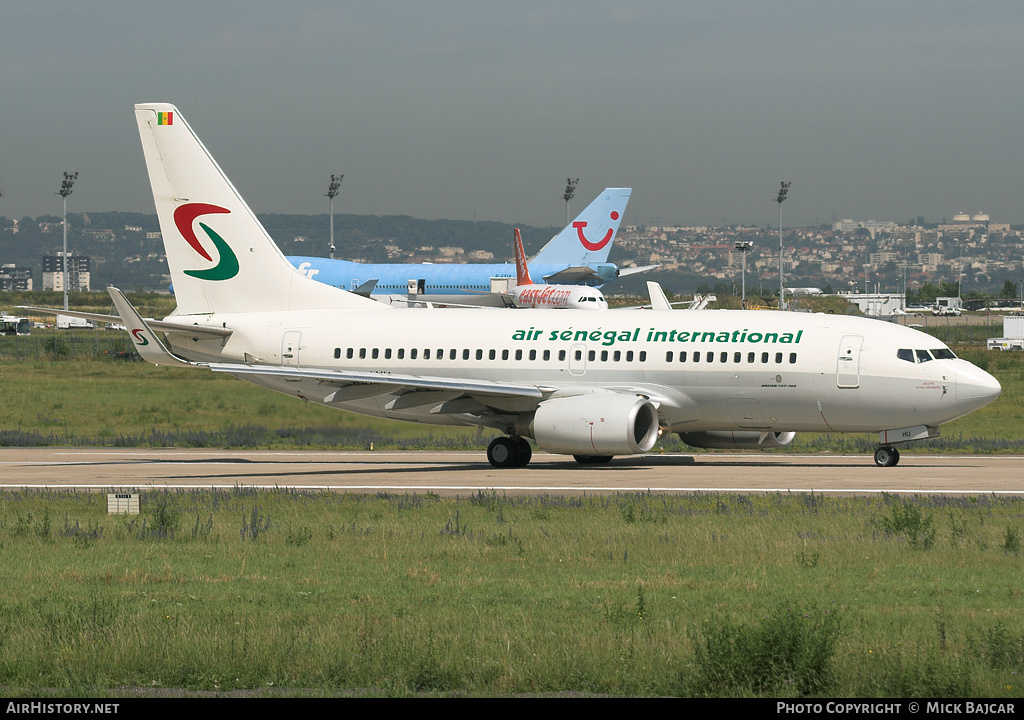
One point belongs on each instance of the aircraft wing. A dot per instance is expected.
(161, 325)
(387, 383)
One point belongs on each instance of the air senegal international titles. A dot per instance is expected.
(610, 337)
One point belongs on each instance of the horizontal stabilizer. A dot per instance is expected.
(147, 341)
(159, 325)
(572, 275)
(623, 272)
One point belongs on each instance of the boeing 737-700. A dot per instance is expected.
(592, 385)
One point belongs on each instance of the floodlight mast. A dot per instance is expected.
(744, 247)
(783, 190)
(332, 192)
(570, 190)
(65, 190)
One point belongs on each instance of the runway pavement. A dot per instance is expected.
(461, 473)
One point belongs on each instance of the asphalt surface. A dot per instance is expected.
(461, 473)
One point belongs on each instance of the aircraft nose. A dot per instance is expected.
(975, 388)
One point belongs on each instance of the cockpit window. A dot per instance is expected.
(943, 354)
(923, 356)
(905, 354)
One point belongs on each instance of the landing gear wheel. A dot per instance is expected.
(509, 452)
(525, 451)
(592, 459)
(887, 456)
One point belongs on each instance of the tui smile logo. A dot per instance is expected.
(228, 266)
(592, 246)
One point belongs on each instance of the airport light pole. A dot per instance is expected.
(783, 190)
(743, 246)
(570, 190)
(332, 192)
(65, 190)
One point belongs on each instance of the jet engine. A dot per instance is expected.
(600, 424)
(737, 440)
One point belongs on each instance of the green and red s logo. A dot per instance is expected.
(227, 267)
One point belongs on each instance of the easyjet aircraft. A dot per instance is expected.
(592, 385)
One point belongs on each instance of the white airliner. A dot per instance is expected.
(592, 385)
(528, 294)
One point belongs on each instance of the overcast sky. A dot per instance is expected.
(477, 109)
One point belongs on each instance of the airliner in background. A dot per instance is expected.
(592, 385)
(576, 255)
(528, 294)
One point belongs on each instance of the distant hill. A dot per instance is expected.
(126, 255)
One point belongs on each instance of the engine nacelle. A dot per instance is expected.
(597, 424)
(737, 440)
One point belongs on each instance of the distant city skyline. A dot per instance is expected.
(481, 110)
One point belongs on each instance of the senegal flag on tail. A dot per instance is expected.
(164, 118)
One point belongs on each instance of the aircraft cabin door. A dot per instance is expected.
(290, 348)
(578, 359)
(848, 362)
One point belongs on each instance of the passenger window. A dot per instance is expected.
(668, 355)
(579, 354)
(375, 353)
(792, 358)
(617, 356)
(604, 356)
(547, 355)
(533, 354)
(362, 353)
(337, 353)
(465, 353)
(561, 356)
(479, 354)
(724, 357)
(696, 356)
(401, 353)
(426, 353)
(504, 354)
(590, 356)
(710, 357)
(643, 356)
(412, 354)
(737, 357)
(519, 354)
(778, 357)
(629, 356)
(682, 356)
(452, 354)
(905, 354)
(750, 357)
(348, 353)
(764, 357)
(492, 354)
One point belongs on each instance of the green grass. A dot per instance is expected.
(635, 595)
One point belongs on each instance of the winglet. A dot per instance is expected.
(522, 271)
(658, 299)
(147, 342)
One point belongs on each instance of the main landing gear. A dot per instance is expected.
(509, 452)
(886, 456)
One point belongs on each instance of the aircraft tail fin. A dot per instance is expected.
(221, 258)
(522, 270)
(588, 239)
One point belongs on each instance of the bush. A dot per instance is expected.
(788, 652)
